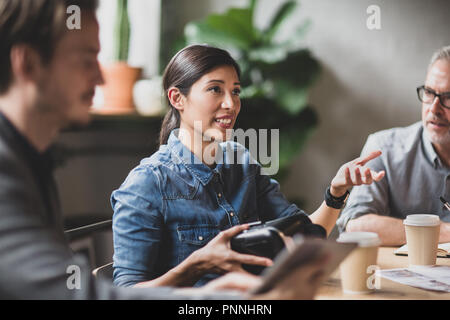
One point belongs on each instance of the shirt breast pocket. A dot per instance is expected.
(194, 237)
(178, 188)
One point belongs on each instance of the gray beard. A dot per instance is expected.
(442, 141)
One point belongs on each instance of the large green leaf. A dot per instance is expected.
(200, 32)
(236, 23)
(232, 29)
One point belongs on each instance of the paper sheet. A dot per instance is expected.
(436, 278)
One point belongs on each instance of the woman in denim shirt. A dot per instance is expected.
(171, 209)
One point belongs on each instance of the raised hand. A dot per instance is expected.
(355, 173)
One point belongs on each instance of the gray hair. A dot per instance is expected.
(441, 54)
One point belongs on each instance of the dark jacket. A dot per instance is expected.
(35, 259)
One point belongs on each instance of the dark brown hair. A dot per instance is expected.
(185, 68)
(37, 23)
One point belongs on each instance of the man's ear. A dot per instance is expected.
(176, 98)
(26, 63)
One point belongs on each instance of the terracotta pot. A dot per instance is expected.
(118, 88)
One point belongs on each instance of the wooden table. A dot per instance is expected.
(388, 289)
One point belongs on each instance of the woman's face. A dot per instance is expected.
(212, 105)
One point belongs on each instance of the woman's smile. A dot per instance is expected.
(225, 122)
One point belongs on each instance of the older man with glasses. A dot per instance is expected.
(417, 164)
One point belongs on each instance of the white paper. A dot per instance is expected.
(436, 278)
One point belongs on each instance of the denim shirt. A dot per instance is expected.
(171, 204)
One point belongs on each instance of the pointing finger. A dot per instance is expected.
(371, 156)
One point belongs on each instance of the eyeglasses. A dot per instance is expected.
(427, 95)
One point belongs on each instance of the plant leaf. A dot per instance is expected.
(296, 38)
(268, 54)
(282, 14)
(122, 31)
(290, 79)
(200, 32)
(276, 52)
(232, 29)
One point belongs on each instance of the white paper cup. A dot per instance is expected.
(356, 268)
(422, 238)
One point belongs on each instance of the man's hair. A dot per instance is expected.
(441, 54)
(39, 24)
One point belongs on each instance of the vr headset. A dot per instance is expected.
(269, 239)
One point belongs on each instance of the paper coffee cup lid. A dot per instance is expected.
(422, 220)
(364, 239)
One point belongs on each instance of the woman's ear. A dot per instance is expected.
(176, 98)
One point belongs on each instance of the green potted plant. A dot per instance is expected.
(119, 76)
(276, 73)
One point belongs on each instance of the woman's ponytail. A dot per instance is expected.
(171, 121)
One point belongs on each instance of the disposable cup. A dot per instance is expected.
(422, 238)
(358, 268)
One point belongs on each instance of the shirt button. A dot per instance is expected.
(200, 238)
(231, 214)
(219, 195)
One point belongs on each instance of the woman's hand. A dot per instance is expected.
(218, 257)
(354, 173)
(300, 284)
(215, 257)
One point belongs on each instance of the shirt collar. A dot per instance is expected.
(430, 153)
(41, 162)
(193, 164)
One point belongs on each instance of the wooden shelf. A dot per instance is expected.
(120, 122)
